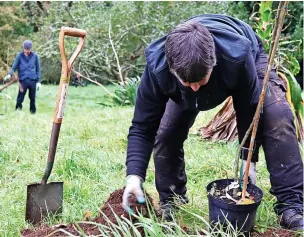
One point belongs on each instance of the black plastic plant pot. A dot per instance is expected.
(224, 214)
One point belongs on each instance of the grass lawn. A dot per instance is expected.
(91, 158)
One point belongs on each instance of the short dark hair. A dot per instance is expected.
(190, 51)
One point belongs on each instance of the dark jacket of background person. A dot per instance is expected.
(28, 66)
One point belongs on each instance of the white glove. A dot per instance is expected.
(38, 86)
(133, 186)
(252, 171)
(7, 77)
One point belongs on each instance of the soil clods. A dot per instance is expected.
(111, 206)
(275, 233)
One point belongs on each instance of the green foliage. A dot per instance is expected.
(265, 11)
(13, 30)
(123, 94)
(297, 34)
(35, 12)
(50, 70)
(134, 26)
(264, 22)
(248, 12)
(294, 21)
(241, 10)
(285, 59)
(295, 91)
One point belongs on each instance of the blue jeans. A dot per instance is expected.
(29, 85)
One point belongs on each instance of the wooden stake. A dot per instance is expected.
(282, 10)
(238, 153)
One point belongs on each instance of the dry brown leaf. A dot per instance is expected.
(87, 214)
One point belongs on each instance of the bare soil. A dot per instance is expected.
(276, 233)
(220, 193)
(114, 203)
(111, 206)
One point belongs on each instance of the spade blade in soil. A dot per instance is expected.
(43, 200)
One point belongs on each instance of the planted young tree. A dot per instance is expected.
(223, 125)
(245, 203)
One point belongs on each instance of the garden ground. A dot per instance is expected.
(91, 159)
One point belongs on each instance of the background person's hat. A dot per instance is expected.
(27, 44)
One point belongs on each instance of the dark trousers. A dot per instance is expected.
(29, 85)
(276, 134)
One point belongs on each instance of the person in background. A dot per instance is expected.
(76, 80)
(27, 63)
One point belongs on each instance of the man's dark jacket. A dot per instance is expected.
(234, 75)
(28, 66)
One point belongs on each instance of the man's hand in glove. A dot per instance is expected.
(133, 186)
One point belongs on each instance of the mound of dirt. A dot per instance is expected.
(111, 206)
(275, 233)
(58, 230)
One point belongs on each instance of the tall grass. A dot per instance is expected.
(90, 160)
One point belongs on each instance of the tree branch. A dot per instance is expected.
(95, 82)
(116, 56)
(278, 27)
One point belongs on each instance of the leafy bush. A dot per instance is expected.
(124, 94)
(13, 30)
(285, 60)
(241, 10)
(134, 25)
(287, 48)
(50, 70)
